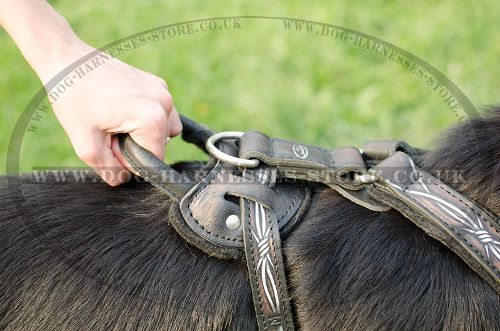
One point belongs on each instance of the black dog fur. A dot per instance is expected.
(90, 257)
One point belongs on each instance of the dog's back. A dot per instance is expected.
(79, 256)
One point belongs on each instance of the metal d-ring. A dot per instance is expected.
(218, 154)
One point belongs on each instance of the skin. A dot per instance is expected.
(115, 98)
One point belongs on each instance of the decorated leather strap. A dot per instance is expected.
(312, 163)
(332, 167)
(265, 267)
(460, 224)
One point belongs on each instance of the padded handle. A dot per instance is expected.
(195, 133)
(155, 170)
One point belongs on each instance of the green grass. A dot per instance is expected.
(288, 84)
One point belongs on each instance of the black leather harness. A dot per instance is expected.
(256, 189)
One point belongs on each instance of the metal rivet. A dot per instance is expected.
(365, 179)
(233, 222)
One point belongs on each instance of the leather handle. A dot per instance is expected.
(195, 133)
(155, 170)
(152, 169)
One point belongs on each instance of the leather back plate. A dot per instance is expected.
(206, 207)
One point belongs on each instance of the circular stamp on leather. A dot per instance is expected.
(300, 151)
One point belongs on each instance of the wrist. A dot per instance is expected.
(44, 37)
(55, 48)
(59, 55)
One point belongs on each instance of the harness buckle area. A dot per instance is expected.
(365, 179)
(218, 154)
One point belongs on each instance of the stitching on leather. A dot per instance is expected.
(294, 202)
(465, 240)
(420, 175)
(470, 244)
(270, 177)
(201, 189)
(270, 147)
(330, 159)
(464, 203)
(385, 189)
(253, 264)
(136, 166)
(278, 278)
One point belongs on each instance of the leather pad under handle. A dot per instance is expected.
(153, 169)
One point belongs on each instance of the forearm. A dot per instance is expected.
(42, 35)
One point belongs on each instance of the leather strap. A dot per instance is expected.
(457, 222)
(195, 133)
(266, 270)
(172, 183)
(152, 169)
(335, 168)
(378, 150)
(207, 206)
(330, 167)
(269, 207)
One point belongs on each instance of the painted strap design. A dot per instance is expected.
(265, 267)
(468, 230)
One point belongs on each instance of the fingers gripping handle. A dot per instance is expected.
(153, 169)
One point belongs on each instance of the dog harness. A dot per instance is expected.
(255, 189)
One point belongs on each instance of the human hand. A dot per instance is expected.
(112, 98)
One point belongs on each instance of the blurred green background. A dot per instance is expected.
(288, 84)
